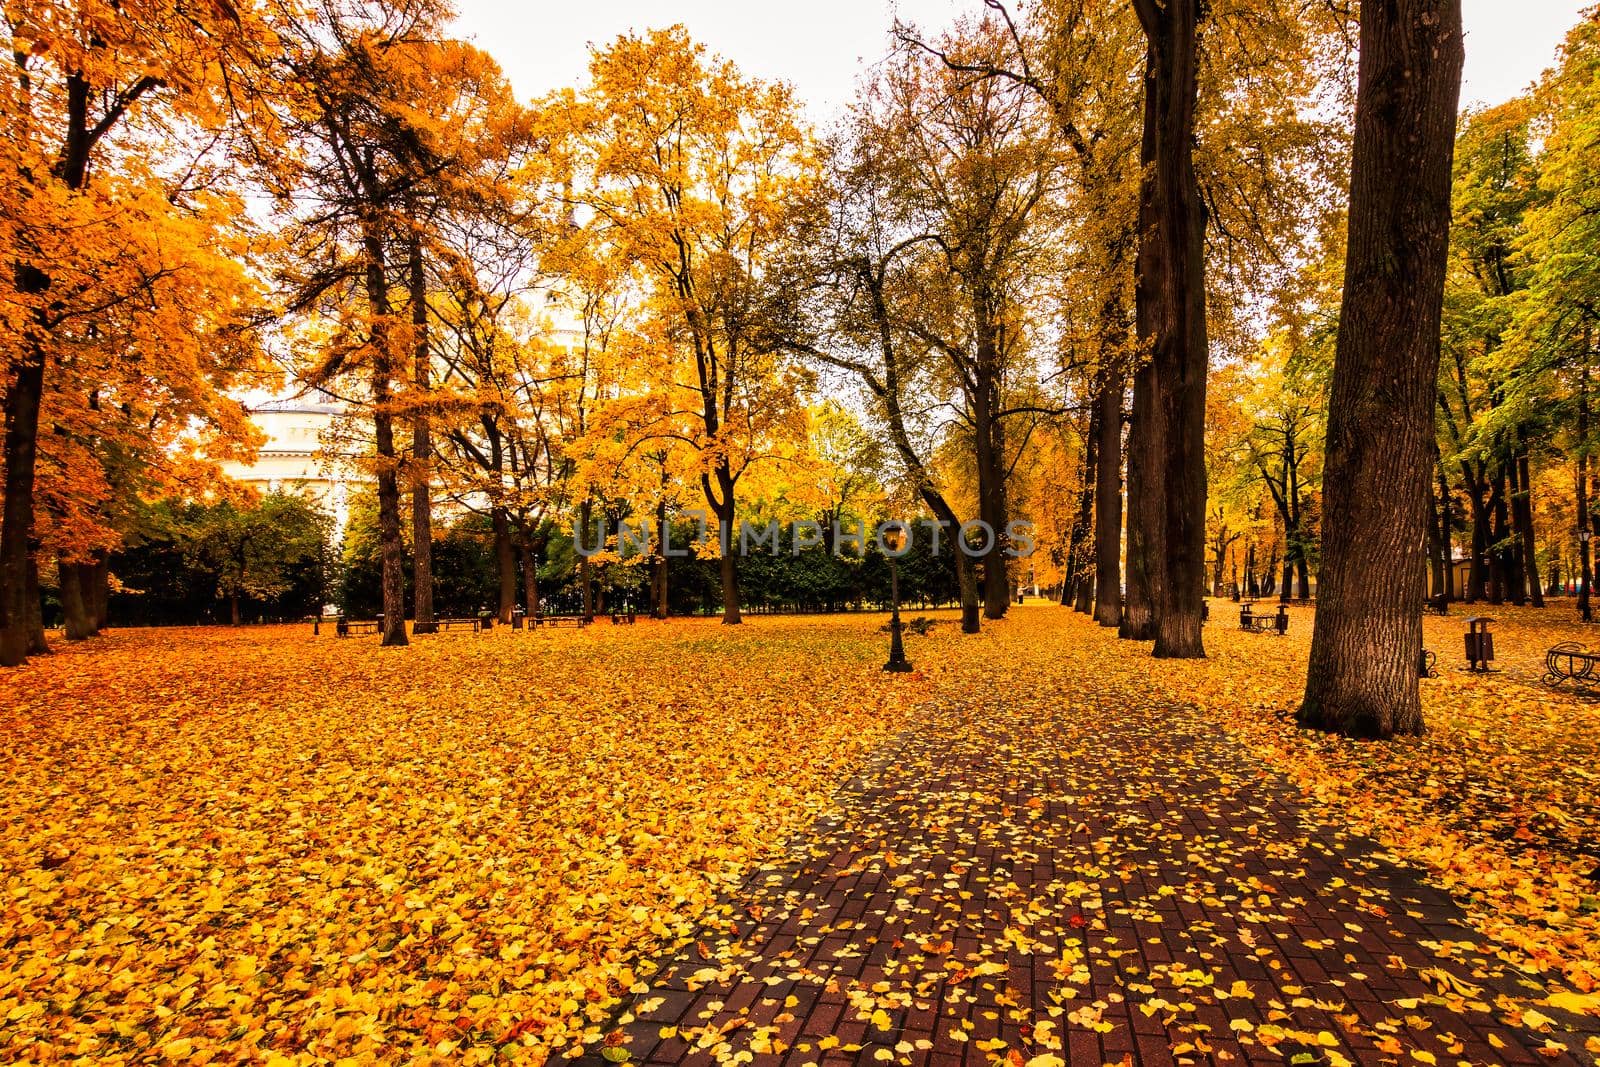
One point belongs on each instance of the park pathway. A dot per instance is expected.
(1036, 877)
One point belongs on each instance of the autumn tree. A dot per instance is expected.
(384, 113)
(687, 167)
(253, 548)
(1362, 678)
(105, 247)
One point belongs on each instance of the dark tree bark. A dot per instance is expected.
(421, 448)
(1171, 268)
(37, 645)
(1145, 511)
(505, 565)
(585, 568)
(388, 462)
(1080, 553)
(98, 591)
(1522, 517)
(1367, 638)
(1146, 519)
(530, 580)
(1585, 525)
(1108, 504)
(660, 606)
(16, 524)
(74, 609)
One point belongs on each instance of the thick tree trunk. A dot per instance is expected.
(235, 615)
(97, 592)
(69, 579)
(16, 522)
(1108, 505)
(388, 462)
(991, 493)
(1367, 638)
(421, 449)
(1172, 274)
(505, 566)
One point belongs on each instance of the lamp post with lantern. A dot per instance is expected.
(892, 539)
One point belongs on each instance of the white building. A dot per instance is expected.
(295, 457)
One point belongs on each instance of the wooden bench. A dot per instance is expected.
(1570, 662)
(351, 627)
(1264, 624)
(618, 618)
(557, 620)
(1437, 605)
(458, 624)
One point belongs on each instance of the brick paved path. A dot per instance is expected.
(1042, 881)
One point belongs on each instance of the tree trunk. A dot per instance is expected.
(1172, 271)
(69, 579)
(1522, 516)
(660, 606)
(1477, 569)
(97, 592)
(38, 645)
(1585, 526)
(990, 457)
(585, 568)
(1367, 638)
(235, 616)
(1080, 556)
(505, 566)
(16, 523)
(1145, 511)
(530, 582)
(388, 463)
(1505, 566)
(421, 449)
(1108, 505)
(730, 575)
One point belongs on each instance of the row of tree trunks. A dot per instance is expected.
(1367, 638)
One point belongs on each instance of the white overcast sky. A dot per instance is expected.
(822, 45)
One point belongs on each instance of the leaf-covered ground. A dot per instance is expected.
(261, 844)
(1066, 860)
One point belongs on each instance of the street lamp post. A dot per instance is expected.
(894, 539)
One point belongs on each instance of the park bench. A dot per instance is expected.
(1264, 624)
(1437, 605)
(457, 624)
(557, 620)
(618, 618)
(350, 627)
(1570, 662)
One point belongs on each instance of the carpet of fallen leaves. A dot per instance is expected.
(259, 844)
(240, 843)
